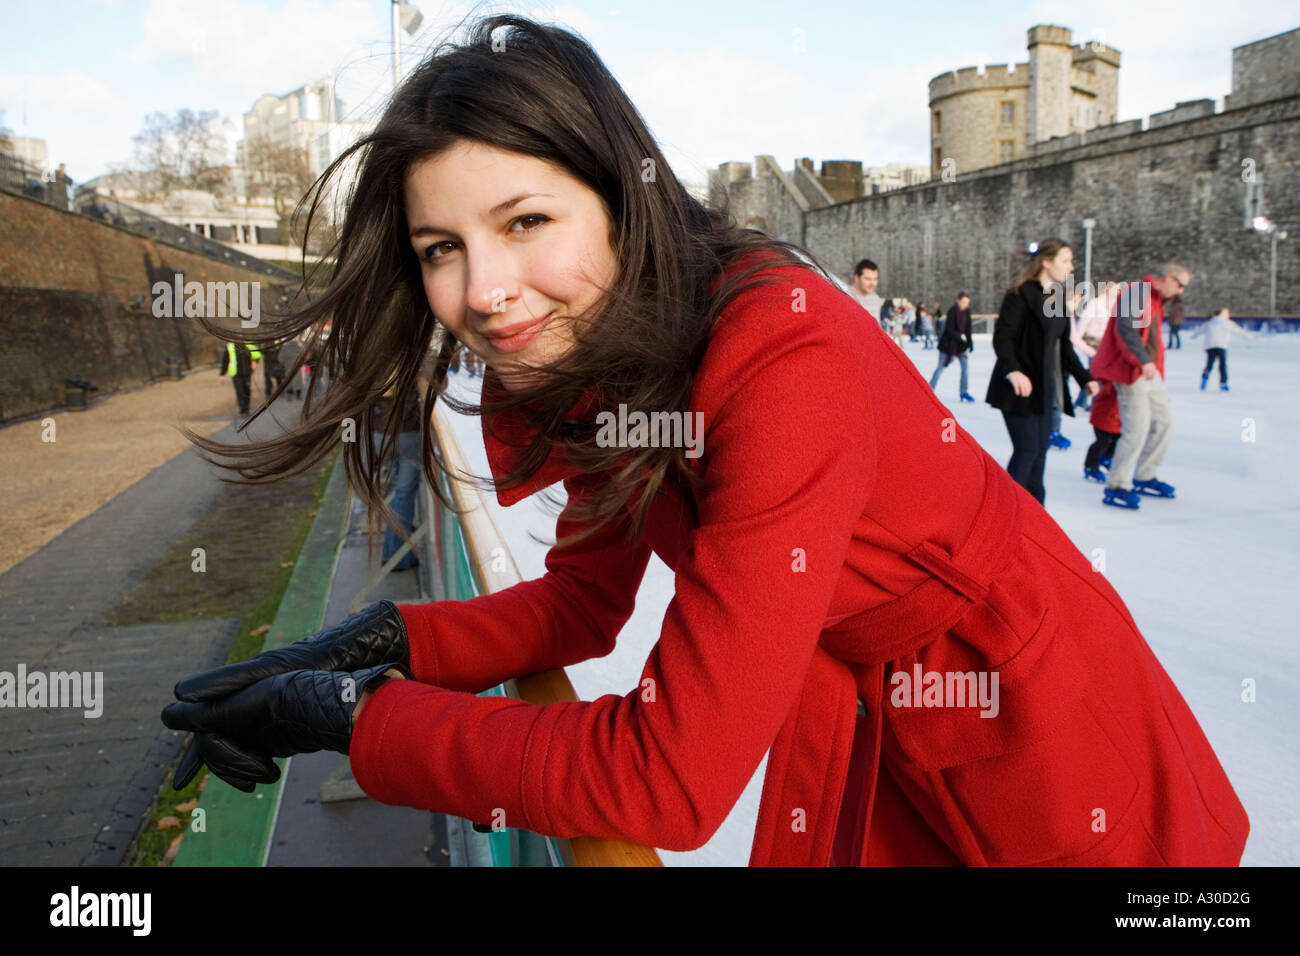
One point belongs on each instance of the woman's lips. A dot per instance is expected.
(520, 339)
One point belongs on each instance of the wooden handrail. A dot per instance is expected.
(494, 571)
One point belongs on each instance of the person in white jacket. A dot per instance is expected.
(1218, 331)
(1089, 325)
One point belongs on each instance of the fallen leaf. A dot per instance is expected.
(188, 805)
(261, 630)
(166, 823)
(286, 564)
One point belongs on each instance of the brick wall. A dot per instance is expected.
(71, 306)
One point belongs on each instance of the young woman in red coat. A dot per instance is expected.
(950, 685)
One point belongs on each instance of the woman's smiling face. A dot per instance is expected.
(511, 248)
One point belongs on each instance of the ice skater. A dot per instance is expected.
(955, 342)
(1132, 355)
(1106, 426)
(1218, 332)
(1032, 340)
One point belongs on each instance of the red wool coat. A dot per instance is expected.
(806, 581)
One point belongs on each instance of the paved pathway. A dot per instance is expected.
(73, 788)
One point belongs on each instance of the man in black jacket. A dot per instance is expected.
(956, 342)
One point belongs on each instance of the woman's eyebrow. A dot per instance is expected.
(492, 213)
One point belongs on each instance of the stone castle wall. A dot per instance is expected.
(1172, 190)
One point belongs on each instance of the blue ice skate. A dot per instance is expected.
(1122, 499)
(1155, 488)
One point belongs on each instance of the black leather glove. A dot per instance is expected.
(238, 766)
(295, 713)
(376, 635)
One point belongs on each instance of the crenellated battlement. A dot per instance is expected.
(996, 76)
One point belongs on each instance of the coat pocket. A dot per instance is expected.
(1043, 778)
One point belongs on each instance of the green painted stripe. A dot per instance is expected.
(508, 847)
(239, 825)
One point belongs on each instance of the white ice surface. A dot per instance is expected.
(1212, 578)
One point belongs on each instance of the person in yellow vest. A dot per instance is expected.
(237, 361)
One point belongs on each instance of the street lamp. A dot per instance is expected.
(1266, 227)
(1088, 225)
(409, 18)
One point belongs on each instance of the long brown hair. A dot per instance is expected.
(540, 91)
(1047, 249)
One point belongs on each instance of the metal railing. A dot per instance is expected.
(466, 556)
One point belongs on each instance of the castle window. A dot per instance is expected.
(1004, 151)
(938, 122)
(1008, 114)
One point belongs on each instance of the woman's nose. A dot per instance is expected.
(490, 278)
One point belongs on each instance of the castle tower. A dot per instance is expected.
(1051, 62)
(1095, 86)
(977, 119)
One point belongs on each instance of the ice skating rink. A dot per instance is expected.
(1212, 578)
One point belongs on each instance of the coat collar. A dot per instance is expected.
(513, 435)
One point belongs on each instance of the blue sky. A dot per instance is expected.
(717, 80)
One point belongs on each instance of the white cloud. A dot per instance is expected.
(710, 106)
(244, 50)
(73, 94)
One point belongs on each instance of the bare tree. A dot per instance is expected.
(185, 151)
(278, 171)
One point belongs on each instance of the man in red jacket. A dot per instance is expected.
(1132, 355)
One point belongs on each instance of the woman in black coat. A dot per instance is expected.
(1032, 343)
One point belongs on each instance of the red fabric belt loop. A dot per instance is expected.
(930, 556)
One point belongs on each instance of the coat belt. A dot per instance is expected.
(817, 735)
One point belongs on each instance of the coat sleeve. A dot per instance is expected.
(1072, 364)
(572, 613)
(1006, 333)
(785, 402)
(225, 361)
(1130, 332)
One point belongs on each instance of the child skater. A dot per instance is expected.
(1218, 332)
(1105, 422)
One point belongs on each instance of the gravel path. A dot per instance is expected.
(47, 486)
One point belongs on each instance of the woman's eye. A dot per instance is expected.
(429, 253)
